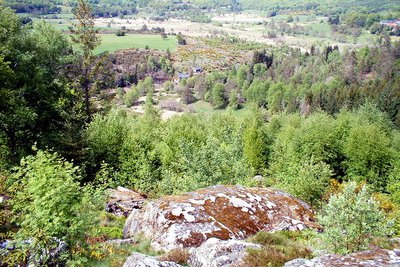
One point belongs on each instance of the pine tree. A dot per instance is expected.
(85, 35)
(351, 220)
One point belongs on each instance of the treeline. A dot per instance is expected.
(324, 7)
(37, 7)
(170, 8)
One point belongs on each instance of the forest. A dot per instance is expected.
(322, 124)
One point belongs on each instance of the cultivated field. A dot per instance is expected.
(111, 42)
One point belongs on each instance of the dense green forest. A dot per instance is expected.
(318, 120)
(271, 7)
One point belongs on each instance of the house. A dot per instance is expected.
(197, 69)
(181, 75)
(393, 23)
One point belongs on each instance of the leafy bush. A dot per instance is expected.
(105, 135)
(351, 220)
(131, 96)
(168, 86)
(5, 224)
(49, 203)
(120, 33)
(306, 180)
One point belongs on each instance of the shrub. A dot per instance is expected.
(5, 224)
(187, 96)
(106, 134)
(131, 96)
(278, 248)
(179, 256)
(351, 220)
(120, 33)
(289, 19)
(181, 39)
(49, 203)
(168, 86)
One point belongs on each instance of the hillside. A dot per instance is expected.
(203, 133)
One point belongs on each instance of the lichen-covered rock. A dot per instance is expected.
(258, 179)
(51, 256)
(217, 253)
(224, 212)
(141, 260)
(369, 258)
(122, 201)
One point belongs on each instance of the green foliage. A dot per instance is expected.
(131, 96)
(111, 227)
(256, 142)
(259, 70)
(181, 40)
(367, 150)
(217, 95)
(105, 135)
(304, 152)
(84, 32)
(351, 220)
(234, 100)
(145, 86)
(207, 152)
(306, 180)
(168, 86)
(120, 33)
(48, 205)
(257, 92)
(36, 104)
(289, 19)
(85, 36)
(5, 222)
(49, 199)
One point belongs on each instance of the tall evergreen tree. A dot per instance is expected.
(85, 35)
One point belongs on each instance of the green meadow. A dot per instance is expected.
(111, 42)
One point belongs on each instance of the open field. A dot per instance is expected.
(247, 26)
(111, 42)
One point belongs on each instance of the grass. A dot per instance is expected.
(324, 28)
(107, 255)
(111, 43)
(203, 107)
(366, 38)
(277, 248)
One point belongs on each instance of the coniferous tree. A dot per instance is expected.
(85, 35)
(351, 220)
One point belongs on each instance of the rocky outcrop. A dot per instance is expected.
(51, 256)
(218, 253)
(4, 199)
(122, 201)
(369, 258)
(141, 260)
(223, 212)
(120, 242)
